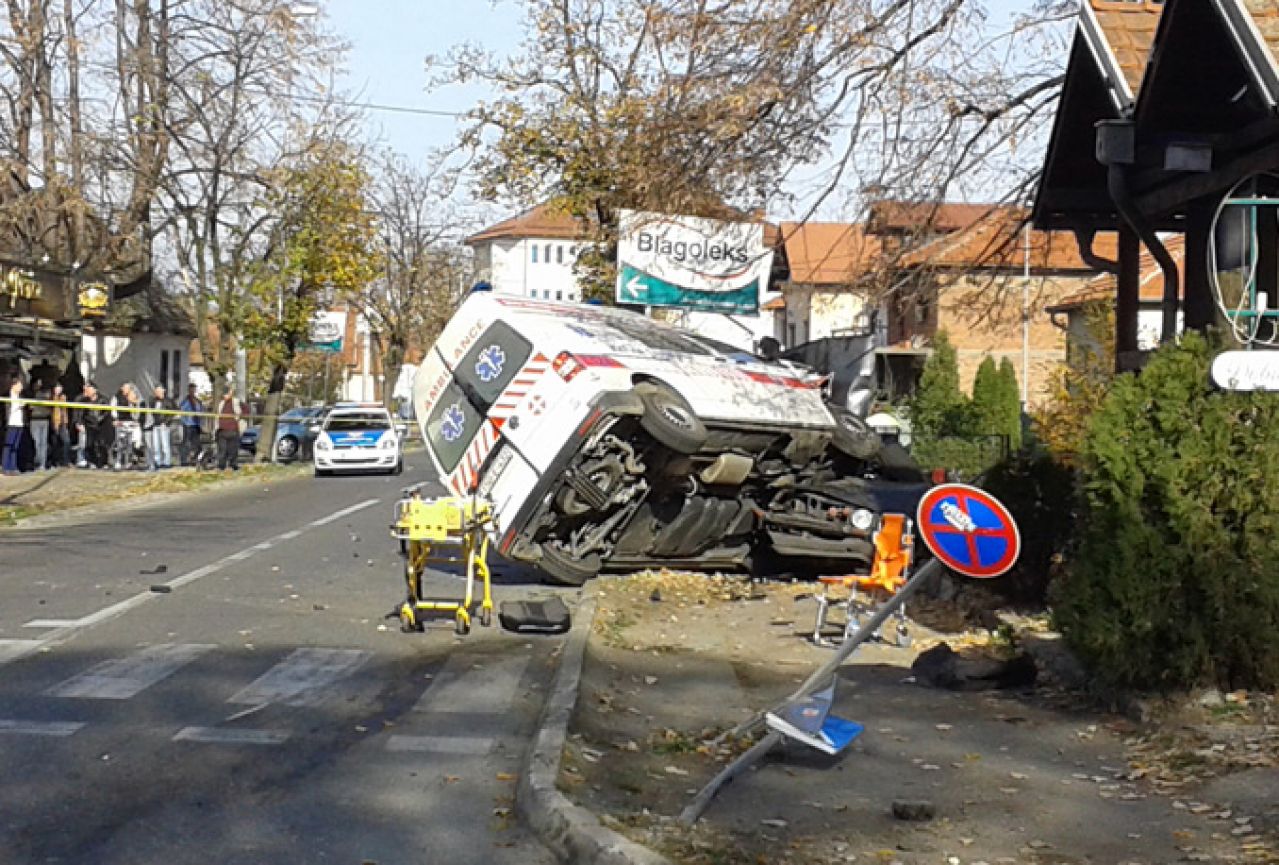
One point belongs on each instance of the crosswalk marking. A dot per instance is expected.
(469, 685)
(59, 729)
(301, 677)
(214, 735)
(13, 649)
(474, 746)
(123, 678)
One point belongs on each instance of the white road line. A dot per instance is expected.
(474, 746)
(123, 678)
(288, 536)
(213, 735)
(301, 677)
(58, 729)
(65, 629)
(13, 649)
(479, 687)
(345, 512)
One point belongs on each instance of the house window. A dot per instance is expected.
(546, 251)
(164, 369)
(559, 255)
(921, 310)
(559, 295)
(535, 253)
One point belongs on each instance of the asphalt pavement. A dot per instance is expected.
(210, 678)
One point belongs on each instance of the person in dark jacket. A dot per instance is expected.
(94, 427)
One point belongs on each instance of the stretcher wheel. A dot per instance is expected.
(486, 617)
(409, 623)
(462, 626)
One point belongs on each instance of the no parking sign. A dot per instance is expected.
(968, 530)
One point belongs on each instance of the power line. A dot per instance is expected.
(376, 106)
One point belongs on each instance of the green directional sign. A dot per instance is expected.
(638, 287)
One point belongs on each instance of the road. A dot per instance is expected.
(260, 709)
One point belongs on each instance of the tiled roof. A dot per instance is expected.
(828, 253)
(774, 304)
(1150, 289)
(1265, 16)
(910, 216)
(998, 241)
(544, 220)
(1129, 27)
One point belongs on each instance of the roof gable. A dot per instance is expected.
(999, 241)
(828, 253)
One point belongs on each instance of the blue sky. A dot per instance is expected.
(390, 40)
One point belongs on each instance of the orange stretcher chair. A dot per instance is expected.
(889, 569)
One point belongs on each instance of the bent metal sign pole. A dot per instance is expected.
(967, 530)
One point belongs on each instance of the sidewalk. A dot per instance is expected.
(1029, 776)
(37, 493)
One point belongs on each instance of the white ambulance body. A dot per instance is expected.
(574, 419)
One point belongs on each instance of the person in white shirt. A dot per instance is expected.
(14, 428)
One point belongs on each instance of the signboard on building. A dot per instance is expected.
(31, 293)
(327, 329)
(691, 263)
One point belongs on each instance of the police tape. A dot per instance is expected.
(93, 406)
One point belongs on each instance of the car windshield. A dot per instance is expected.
(358, 421)
(297, 414)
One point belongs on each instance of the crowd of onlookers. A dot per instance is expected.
(45, 429)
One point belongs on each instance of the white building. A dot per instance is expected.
(145, 340)
(531, 255)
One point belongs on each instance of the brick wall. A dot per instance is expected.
(982, 317)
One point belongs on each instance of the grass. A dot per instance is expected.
(141, 485)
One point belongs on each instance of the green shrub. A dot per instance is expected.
(1175, 580)
(1040, 494)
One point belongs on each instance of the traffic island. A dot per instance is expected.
(995, 771)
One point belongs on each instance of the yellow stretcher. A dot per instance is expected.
(446, 531)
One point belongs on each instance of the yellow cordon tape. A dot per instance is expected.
(126, 408)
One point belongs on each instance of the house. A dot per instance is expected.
(825, 292)
(1167, 109)
(144, 339)
(1075, 313)
(532, 254)
(988, 286)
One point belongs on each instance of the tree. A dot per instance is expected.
(422, 275)
(689, 106)
(1077, 388)
(988, 406)
(1010, 409)
(939, 407)
(323, 246)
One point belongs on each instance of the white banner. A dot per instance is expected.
(691, 262)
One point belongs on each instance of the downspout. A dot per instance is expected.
(1084, 239)
(1117, 186)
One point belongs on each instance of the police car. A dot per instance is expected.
(358, 438)
(602, 437)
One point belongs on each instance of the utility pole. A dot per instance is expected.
(1025, 320)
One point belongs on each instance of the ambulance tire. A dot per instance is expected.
(670, 420)
(561, 569)
(853, 436)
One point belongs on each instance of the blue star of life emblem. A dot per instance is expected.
(488, 365)
(453, 424)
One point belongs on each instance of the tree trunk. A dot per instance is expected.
(392, 349)
(271, 410)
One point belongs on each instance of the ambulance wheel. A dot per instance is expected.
(461, 626)
(486, 617)
(562, 569)
(399, 468)
(670, 420)
(853, 436)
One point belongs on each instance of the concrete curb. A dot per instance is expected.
(572, 832)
